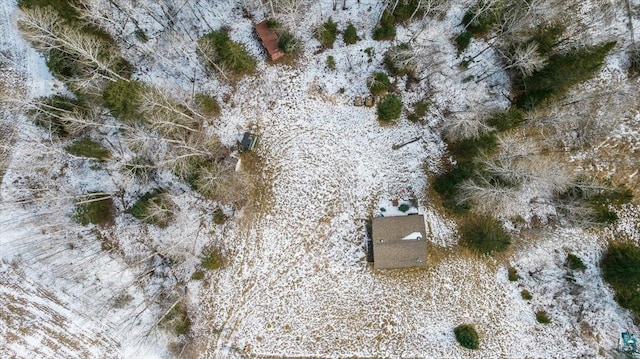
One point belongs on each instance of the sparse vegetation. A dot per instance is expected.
(542, 317)
(420, 109)
(506, 120)
(218, 216)
(400, 60)
(462, 41)
(327, 33)
(621, 270)
(526, 295)
(467, 336)
(389, 108)
(95, 209)
(484, 234)
(52, 114)
(85, 147)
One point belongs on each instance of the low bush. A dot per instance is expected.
(542, 317)
(95, 209)
(513, 274)
(420, 109)
(506, 120)
(211, 259)
(462, 41)
(389, 108)
(400, 60)
(484, 234)
(386, 29)
(620, 265)
(479, 19)
(331, 62)
(87, 148)
(350, 35)
(574, 262)
(327, 33)
(197, 275)
(50, 111)
(526, 295)
(217, 47)
(207, 104)
(378, 83)
(122, 99)
(153, 208)
(287, 43)
(177, 320)
(467, 336)
(218, 216)
(561, 73)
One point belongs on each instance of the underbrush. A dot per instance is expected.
(620, 265)
(95, 209)
(85, 147)
(484, 234)
(52, 114)
(467, 336)
(154, 208)
(211, 259)
(219, 51)
(177, 320)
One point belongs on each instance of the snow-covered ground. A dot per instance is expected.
(295, 281)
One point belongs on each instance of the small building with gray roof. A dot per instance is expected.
(399, 242)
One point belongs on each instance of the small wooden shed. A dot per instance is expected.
(399, 242)
(269, 39)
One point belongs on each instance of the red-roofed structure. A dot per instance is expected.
(269, 40)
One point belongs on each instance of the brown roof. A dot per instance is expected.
(390, 250)
(269, 40)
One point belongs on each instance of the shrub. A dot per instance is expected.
(386, 30)
(88, 148)
(480, 24)
(122, 98)
(542, 317)
(211, 259)
(513, 274)
(326, 33)
(467, 336)
(218, 48)
(467, 149)
(350, 35)
(462, 41)
(575, 263)
(218, 216)
(484, 234)
(420, 109)
(506, 120)
(153, 208)
(197, 275)
(378, 83)
(561, 73)
(96, 209)
(404, 10)
(621, 270)
(331, 62)
(399, 60)
(207, 104)
(389, 108)
(287, 43)
(177, 320)
(50, 115)
(526, 295)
